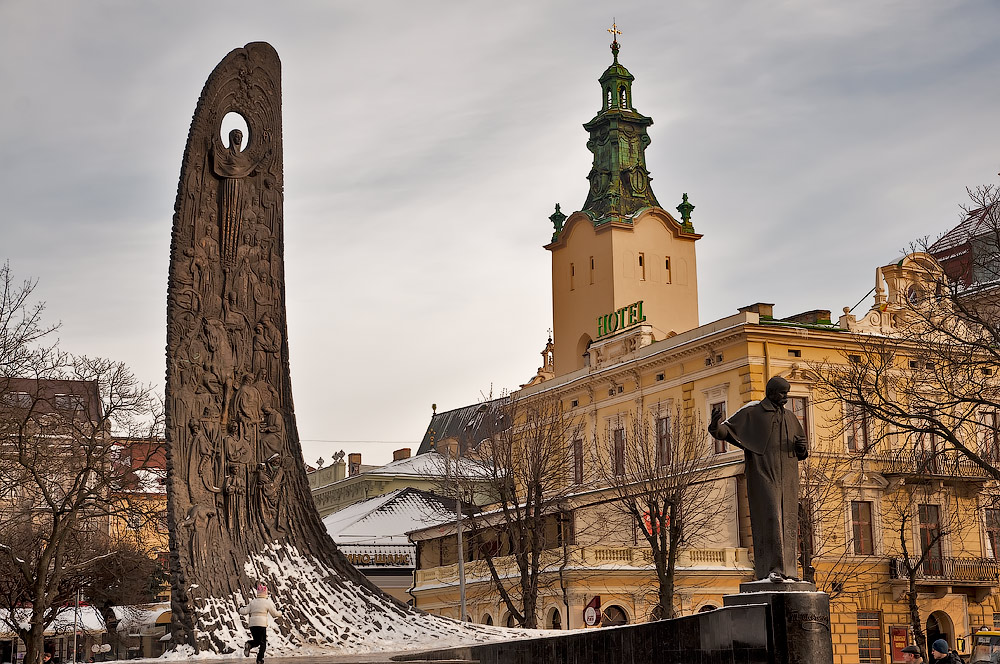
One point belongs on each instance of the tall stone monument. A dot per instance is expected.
(239, 506)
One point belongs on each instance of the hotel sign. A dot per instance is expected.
(620, 319)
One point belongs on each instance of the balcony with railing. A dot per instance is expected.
(976, 576)
(917, 463)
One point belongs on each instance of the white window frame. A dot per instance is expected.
(849, 429)
(870, 496)
(714, 396)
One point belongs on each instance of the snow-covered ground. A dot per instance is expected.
(336, 616)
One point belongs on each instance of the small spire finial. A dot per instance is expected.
(614, 38)
(557, 218)
(685, 209)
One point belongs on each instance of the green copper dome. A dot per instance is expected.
(619, 181)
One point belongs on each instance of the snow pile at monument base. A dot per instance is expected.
(342, 616)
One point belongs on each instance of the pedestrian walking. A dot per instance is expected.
(260, 609)
(911, 655)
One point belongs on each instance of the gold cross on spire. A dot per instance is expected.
(614, 30)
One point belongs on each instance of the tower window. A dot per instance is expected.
(609, 98)
(666, 270)
(624, 98)
(572, 274)
(642, 268)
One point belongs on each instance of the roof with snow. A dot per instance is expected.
(139, 618)
(386, 519)
(430, 466)
(88, 619)
(976, 223)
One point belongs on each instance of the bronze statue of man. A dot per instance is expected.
(773, 443)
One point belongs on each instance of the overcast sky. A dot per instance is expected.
(426, 143)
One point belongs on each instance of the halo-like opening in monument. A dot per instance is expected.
(233, 120)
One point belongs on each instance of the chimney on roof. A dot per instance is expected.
(763, 309)
(353, 464)
(816, 317)
(402, 453)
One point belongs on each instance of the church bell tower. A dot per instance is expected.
(623, 268)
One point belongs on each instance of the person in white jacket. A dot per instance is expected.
(260, 610)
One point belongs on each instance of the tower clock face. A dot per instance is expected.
(914, 294)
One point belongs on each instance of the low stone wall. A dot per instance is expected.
(730, 635)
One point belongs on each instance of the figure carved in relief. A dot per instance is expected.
(248, 411)
(268, 395)
(219, 363)
(198, 520)
(231, 165)
(272, 439)
(205, 459)
(266, 345)
(260, 270)
(239, 326)
(269, 476)
(184, 279)
(234, 492)
(270, 200)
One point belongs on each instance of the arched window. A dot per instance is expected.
(609, 98)
(487, 619)
(707, 607)
(623, 97)
(614, 615)
(554, 620)
(510, 622)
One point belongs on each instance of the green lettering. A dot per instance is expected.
(631, 314)
(642, 319)
(602, 322)
(613, 323)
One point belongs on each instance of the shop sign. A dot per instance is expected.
(375, 559)
(899, 638)
(592, 614)
(620, 319)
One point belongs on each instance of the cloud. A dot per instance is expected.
(425, 146)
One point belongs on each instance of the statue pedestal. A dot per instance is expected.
(799, 617)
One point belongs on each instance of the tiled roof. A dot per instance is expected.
(977, 222)
(466, 425)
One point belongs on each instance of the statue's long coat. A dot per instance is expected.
(767, 436)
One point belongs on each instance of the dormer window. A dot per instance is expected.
(17, 399)
(623, 97)
(68, 402)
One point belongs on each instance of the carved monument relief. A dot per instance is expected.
(239, 506)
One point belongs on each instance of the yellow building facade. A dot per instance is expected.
(628, 347)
